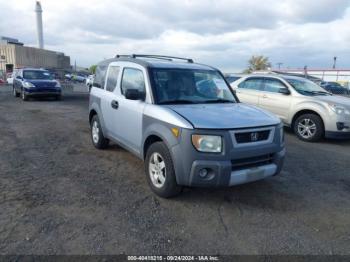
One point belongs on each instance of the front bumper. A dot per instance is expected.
(43, 92)
(221, 173)
(236, 165)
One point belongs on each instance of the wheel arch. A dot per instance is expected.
(303, 112)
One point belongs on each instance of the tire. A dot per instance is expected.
(162, 183)
(59, 97)
(24, 96)
(97, 137)
(15, 93)
(315, 131)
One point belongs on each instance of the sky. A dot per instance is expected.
(221, 33)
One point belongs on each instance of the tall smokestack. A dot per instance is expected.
(39, 24)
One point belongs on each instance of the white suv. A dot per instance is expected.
(307, 108)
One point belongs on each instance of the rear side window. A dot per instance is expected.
(273, 85)
(132, 79)
(100, 76)
(112, 78)
(252, 83)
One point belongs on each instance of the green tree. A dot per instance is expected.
(256, 63)
(92, 69)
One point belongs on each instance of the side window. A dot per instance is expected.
(132, 79)
(273, 85)
(112, 78)
(252, 83)
(99, 80)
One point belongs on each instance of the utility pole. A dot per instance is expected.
(334, 62)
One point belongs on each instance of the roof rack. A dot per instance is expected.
(164, 57)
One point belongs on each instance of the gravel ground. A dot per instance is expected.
(59, 195)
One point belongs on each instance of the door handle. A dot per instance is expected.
(264, 96)
(114, 104)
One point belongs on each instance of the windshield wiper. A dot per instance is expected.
(214, 101)
(177, 101)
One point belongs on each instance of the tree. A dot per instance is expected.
(256, 63)
(92, 69)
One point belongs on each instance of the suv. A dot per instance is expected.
(184, 121)
(307, 108)
(33, 82)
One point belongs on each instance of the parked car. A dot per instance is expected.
(78, 78)
(308, 109)
(230, 78)
(33, 82)
(335, 88)
(9, 78)
(184, 121)
(88, 82)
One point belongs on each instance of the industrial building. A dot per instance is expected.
(14, 54)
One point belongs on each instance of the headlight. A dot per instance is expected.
(207, 143)
(28, 84)
(339, 110)
(58, 84)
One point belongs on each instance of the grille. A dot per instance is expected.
(244, 163)
(249, 137)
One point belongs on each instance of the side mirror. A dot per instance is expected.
(284, 91)
(134, 94)
(19, 77)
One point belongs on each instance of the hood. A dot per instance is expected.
(334, 99)
(42, 83)
(224, 116)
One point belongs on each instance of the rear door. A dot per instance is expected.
(249, 90)
(274, 101)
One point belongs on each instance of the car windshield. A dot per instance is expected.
(190, 86)
(37, 74)
(306, 87)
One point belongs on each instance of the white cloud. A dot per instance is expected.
(224, 33)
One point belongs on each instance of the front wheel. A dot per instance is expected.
(24, 96)
(160, 171)
(309, 127)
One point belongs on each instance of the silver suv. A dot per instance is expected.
(184, 121)
(307, 108)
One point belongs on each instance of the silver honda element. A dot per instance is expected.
(184, 121)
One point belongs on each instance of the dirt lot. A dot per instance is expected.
(59, 195)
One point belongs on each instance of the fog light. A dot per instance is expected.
(203, 173)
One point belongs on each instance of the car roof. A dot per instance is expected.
(285, 77)
(149, 62)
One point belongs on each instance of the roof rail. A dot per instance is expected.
(164, 57)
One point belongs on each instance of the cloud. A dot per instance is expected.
(224, 33)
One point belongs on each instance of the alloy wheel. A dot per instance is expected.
(157, 170)
(307, 128)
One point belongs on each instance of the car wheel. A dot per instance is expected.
(15, 93)
(59, 97)
(309, 127)
(24, 96)
(160, 171)
(97, 137)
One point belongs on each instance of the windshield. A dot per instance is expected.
(306, 87)
(37, 74)
(190, 86)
